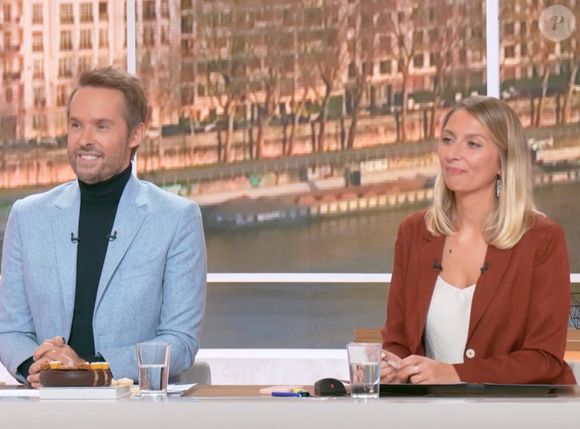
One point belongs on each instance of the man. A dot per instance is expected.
(94, 266)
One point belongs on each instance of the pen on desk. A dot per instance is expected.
(300, 394)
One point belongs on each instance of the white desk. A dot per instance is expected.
(292, 413)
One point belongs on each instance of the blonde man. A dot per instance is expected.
(96, 265)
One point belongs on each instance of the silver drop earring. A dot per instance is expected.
(498, 186)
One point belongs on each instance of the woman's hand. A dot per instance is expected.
(390, 364)
(422, 370)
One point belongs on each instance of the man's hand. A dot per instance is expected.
(422, 370)
(51, 350)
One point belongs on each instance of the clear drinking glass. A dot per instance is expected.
(364, 361)
(153, 364)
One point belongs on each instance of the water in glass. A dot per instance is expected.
(153, 380)
(365, 379)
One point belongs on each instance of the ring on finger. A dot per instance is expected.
(415, 369)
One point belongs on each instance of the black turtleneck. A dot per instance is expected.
(99, 204)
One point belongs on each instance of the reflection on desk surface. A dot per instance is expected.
(447, 390)
(232, 391)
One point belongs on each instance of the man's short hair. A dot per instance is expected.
(136, 108)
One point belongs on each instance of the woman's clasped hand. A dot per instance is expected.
(416, 369)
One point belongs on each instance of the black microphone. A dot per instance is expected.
(112, 237)
(485, 267)
(437, 265)
(74, 239)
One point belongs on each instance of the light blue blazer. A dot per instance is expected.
(152, 286)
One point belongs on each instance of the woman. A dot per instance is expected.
(480, 291)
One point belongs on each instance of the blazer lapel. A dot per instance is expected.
(429, 255)
(128, 220)
(496, 261)
(64, 221)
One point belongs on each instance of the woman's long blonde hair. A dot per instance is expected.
(513, 212)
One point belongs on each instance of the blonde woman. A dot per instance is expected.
(481, 289)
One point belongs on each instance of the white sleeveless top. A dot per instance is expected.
(447, 322)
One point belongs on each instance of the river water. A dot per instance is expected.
(361, 243)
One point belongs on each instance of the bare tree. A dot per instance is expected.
(299, 87)
(571, 84)
(296, 108)
(536, 51)
(223, 61)
(361, 40)
(403, 31)
(543, 50)
(446, 43)
(156, 69)
(272, 48)
(571, 52)
(159, 63)
(326, 57)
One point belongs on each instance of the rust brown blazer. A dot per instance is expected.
(519, 315)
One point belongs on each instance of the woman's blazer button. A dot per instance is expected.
(470, 353)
